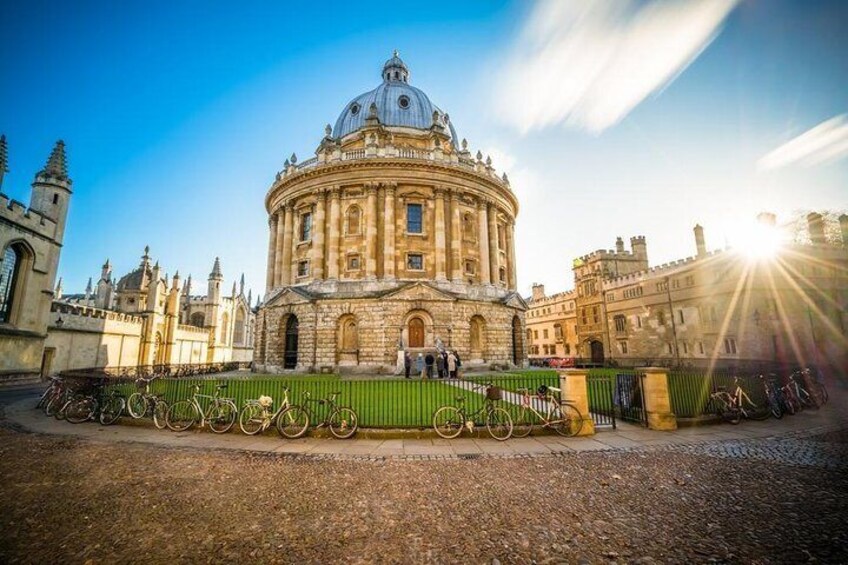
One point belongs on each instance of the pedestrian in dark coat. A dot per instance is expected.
(407, 363)
(440, 365)
(429, 360)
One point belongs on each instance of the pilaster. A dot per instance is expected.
(510, 250)
(335, 234)
(456, 238)
(494, 253)
(483, 241)
(389, 232)
(288, 245)
(371, 231)
(281, 243)
(440, 234)
(317, 252)
(272, 250)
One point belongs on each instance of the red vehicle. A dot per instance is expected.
(561, 362)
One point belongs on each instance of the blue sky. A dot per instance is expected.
(177, 116)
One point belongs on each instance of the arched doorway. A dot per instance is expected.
(416, 332)
(596, 349)
(347, 341)
(290, 352)
(517, 342)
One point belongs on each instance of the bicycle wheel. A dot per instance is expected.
(251, 419)
(222, 417)
(774, 408)
(730, 414)
(448, 422)
(522, 423)
(160, 414)
(343, 423)
(293, 422)
(111, 411)
(80, 410)
(54, 404)
(499, 424)
(570, 422)
(181, 416)
(137, 405)
(755, 412)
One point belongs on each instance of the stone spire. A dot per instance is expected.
(145, 259)
(56, 164)
(187, 286)
(106, 271)
(216, 270)
(249, 297)
(57, 295)
(241, 285)
(4, 160)
(88, 290)
(234, 289)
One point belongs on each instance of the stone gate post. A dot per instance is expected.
(657, 399)
(574, 389)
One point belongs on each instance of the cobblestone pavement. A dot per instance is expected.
(73, 500)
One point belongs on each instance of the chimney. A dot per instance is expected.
(538, 292)
(700, 244)
(843, 227)
(815, 225)
(619, 245)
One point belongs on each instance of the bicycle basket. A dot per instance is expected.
(493, 393)
(265, 401)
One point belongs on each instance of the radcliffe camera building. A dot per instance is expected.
(721, 307)
(392, 236)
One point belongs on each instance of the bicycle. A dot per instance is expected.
(772, 398)
(733, 407)
(561, 416)
(105, 406)
(55, 387)
(816, 391)
(221, 413)
(255, 416)
(143, 401)
(449, 420)
(341, 420)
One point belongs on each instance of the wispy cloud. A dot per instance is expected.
(589, 63)
(824, 143)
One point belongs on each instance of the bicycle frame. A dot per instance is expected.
(216, 401)
(267, 417)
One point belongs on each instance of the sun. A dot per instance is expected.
(758, 240)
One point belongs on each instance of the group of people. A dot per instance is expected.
(445, 363)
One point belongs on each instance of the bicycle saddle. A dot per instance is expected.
(221, 387)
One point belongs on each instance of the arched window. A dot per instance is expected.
(198, 320)
(468, 227)
(353, 220)
(349, 334)
(225, 328)
(238, 330)
(11, 271)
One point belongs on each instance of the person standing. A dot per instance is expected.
(407, 363)
(440, 365)
(458, 364)
(452, 365)
(429, 360)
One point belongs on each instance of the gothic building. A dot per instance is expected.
(392, 235)
(149, 318)
(721, 307)
(30, 243)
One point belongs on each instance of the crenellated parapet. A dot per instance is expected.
(17, 213)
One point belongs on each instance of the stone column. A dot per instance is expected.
(389, 233)
(371, 232)
(510, 250)
(494, 253)
(439, 230)
(289, 244)
(573, 385)
(333, 244)
(483, 241)
(318, 227)
(281, 243)
(272, 250)
(456, 239)
(657, 399)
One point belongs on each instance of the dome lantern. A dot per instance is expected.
(395, 69)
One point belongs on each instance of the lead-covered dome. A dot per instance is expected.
(397, 102)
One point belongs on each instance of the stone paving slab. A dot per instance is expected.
(626, 437)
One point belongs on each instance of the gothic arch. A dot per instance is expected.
(198, 319)
(16, 261)
(417, 329)
(347, 340)
(238, 328)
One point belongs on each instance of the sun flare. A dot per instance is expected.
(758, 240)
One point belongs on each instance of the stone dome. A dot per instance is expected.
(397, 102)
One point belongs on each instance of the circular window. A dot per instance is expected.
(403, 102)
(354, 109)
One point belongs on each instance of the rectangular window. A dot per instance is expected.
(302, 268)
(622, 347)
(502, 275)
(469, 267)
(568, 349)
(501, 238)
(619, 323)
(638, 321)
(306, 226)
(545, 334)
(680, 317)
(415, 262)
(595, 314)
(535, 334)
(685, 347)
(353, 263)
(701, 347)
(414, 218)
(730, 346)
(670, 348)
(558, 331)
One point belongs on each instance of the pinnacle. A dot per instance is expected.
(216, 269)
(56, 164)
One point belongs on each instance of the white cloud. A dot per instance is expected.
(824, 143)
(588, 64)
